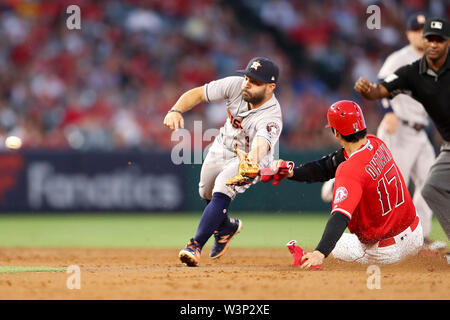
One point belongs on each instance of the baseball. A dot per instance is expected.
(13, 142)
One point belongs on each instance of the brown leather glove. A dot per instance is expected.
(248, 170)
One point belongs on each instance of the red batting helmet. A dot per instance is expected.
(346, 117)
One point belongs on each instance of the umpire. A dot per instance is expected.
(428, 81)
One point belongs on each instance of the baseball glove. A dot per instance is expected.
(282, 171)
(247, 173)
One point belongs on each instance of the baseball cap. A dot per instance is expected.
(436, 26)
(261, 69)
(416, 22)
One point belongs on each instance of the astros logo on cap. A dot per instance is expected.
(255, 65)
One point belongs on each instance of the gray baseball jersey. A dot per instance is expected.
(244, 124)
(404, 106)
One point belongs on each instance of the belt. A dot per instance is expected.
(390, 241)
(415, 126)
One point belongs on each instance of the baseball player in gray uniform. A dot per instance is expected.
(253, 125)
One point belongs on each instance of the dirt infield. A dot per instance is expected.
(156, 274)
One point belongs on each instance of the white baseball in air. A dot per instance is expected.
(327, 191)
(13, 142)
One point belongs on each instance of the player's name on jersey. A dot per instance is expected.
(378, 162)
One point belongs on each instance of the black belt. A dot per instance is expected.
(415, 126)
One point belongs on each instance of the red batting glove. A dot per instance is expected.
(283, 171)
(297, 253)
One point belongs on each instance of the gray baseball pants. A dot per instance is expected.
(436, 190)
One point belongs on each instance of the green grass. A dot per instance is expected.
(15, 269)
(265, 230)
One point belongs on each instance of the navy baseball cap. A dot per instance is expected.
(261, 69)
(436, 26)
(416, 22)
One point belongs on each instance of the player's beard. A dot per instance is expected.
(254, 99)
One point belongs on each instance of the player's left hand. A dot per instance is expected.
(248, 170)
(314, 258)
(242, 155)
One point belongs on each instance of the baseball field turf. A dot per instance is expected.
(135, 256)
(261, 230)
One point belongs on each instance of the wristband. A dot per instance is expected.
(173, 110)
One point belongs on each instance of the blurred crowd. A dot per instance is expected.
(108, 85)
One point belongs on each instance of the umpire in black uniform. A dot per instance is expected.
(428, 81)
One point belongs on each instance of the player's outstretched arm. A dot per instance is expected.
(186, 102)
(320, 170)
(259, 149)
(334, 229)
(277, 170)
(370, 90)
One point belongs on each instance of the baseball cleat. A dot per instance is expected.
(190, 255)
(223, 238)
(297, 253)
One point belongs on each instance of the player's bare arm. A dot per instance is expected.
(370, 90)
(259, 149)
(390, 122)
(186, 102)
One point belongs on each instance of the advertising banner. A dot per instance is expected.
(72, 181)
